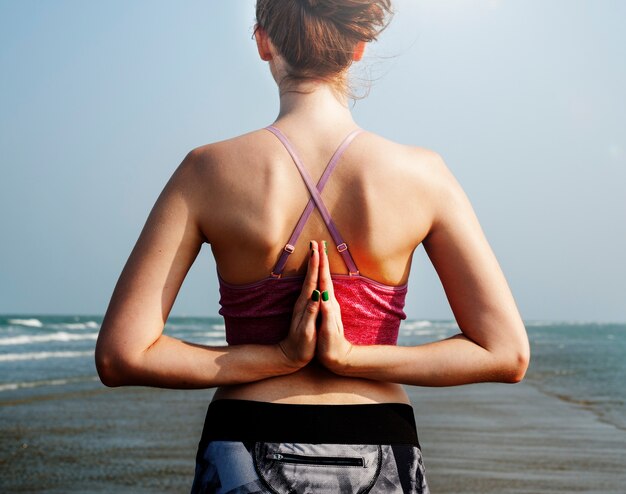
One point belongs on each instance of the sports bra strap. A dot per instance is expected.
(315, 200)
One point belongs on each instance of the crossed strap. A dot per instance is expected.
(315, 201)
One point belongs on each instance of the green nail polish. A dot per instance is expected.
(310, 245)
(325, 246)
(325, 296)
(316, 295)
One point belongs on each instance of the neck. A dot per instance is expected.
(314, 104)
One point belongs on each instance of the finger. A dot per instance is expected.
(310, 279)
(312, 272)
(307, 322)
(331, 312)
(325, 281)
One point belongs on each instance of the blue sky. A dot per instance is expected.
(100, 101)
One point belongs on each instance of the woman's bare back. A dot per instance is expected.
(377, 196)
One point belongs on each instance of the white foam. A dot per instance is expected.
(416, 324)
(14, 357)
(425, 332)
(76, 325)
(213, 334)
(434, 325)
(9, 386)
(184, 327)
(33, 323)
(193, 327)
(36, 384)
(539, 323)
(532, 324)
(41, 338)
(214, 342)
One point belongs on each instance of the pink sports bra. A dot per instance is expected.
(260, 312)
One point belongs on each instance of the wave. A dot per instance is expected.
(76, 325)
(211, 334)
(547, 324)
(213, 342)
(14, 357)
(434, 325)
(37, 384)
(32, 323)
(416, 324)
(572, 323)
(426, 332)
(193, 326)
(41, 338)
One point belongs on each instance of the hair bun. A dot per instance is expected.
(317, 38)
(319, 7)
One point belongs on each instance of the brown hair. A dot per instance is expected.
(317, 38)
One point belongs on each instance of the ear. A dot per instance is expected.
(263, 43)
(358, 51)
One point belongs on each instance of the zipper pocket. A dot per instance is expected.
(342, 461)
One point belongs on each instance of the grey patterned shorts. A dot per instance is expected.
(254, 447)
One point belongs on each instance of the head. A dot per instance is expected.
(317, 40)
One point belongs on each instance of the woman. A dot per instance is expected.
(309, 394)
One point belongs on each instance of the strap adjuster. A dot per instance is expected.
(289, 248)
(355, 273)
(275, 275)
(342, 247)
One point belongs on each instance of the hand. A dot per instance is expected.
(332, 347)
(299, 345)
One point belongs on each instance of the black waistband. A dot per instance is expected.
(243, 420)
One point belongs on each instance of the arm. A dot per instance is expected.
(493, 345)
(131, 349)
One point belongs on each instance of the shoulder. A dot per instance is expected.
(409, 157)
(414, 165)
(416, 176)
(220, 179)
(223, 155)
(217, 167)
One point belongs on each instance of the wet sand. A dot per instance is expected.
(498, 438)
(487, 438)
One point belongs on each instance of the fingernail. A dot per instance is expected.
(316, 295)
(324, 296)
(325, 246)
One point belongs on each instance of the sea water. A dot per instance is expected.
(581, 362)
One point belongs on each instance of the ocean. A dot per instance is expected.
(579, 362)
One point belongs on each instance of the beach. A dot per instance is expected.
(503, 438)
(563, 429)
(484, 438)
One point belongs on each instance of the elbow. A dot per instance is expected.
(515, 366)
(113, 368)
(108, 368)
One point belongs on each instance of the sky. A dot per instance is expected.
(525, 100)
